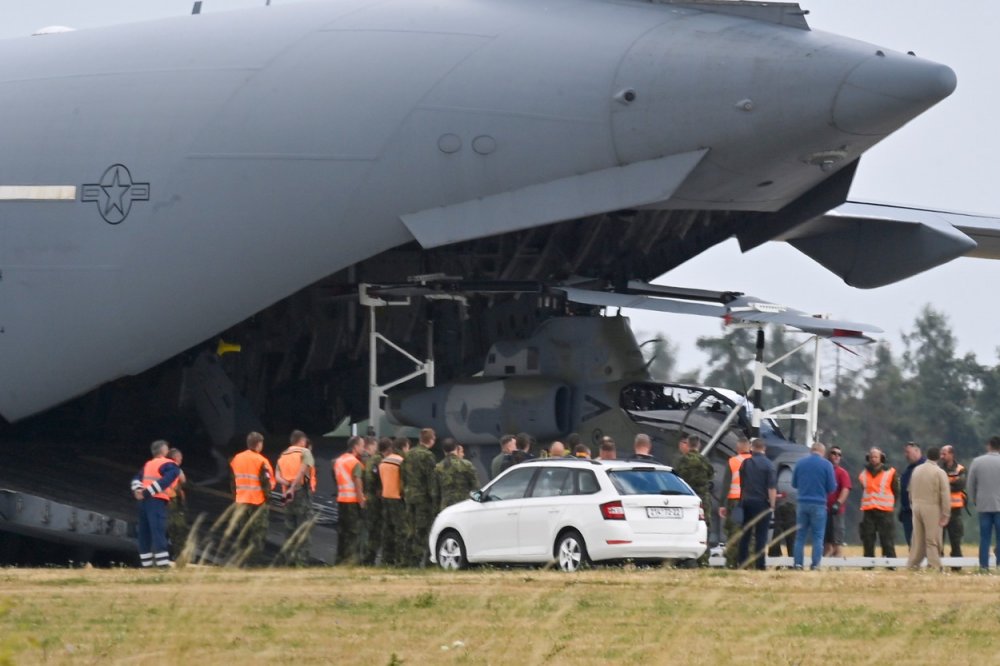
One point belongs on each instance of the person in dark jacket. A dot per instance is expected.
(758, 494)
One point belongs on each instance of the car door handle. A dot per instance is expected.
(554, 510)
(512, 513)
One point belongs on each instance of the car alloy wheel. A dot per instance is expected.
(571, 552)
(451, 552)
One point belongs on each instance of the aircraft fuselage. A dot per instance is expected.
(161, 182)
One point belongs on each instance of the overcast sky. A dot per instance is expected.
(944, 159)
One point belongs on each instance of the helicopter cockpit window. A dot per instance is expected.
(657, 397)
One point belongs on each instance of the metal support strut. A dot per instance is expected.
(808, 395)
(377, 392)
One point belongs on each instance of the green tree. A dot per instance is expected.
(942, 386)
(661, 358)
(884, 410)
(730, 359)
(987, 401)
(839, 417)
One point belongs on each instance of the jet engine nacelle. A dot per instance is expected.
(478, 411)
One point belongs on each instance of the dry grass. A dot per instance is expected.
(518, 616)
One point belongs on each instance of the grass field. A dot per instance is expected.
(520, 616)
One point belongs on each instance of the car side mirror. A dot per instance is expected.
(476, 495)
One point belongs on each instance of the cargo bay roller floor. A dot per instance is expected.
(68, 502)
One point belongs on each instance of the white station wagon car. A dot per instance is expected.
(572, 511)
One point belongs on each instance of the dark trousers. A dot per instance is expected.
(394, 536)
(372, 533)
(877, 523)
(906, 518)
(751, 510)
(955, 531)
(152, 534)
(734, 521)
(348, 531)
(784, 521)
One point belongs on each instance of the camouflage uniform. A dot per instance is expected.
(394, 534)
(177, 525)
(349, 520)
(697, 472)
(420, 497)
(298, 521)
(253, 521)
(299, 518)
(456, 478)
(371, 528)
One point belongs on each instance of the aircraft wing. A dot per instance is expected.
(871, 245)
(741, 309)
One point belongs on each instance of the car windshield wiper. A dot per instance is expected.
(672, 492)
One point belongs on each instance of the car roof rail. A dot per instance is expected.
(592, 461)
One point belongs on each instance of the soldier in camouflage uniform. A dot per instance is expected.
(371, 538)
(697, 472)
(456, 477)
(420, 496)
(394, 532)
(296, 475)
(177, 525)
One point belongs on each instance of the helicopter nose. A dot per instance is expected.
(887, 90)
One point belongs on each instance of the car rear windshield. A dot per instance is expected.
(647, 482)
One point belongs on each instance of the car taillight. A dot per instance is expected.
(701, 513)
(613, 510)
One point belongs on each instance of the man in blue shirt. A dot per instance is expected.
(758, 493)
(813, 479)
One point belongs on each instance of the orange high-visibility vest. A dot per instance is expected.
(343, 472)
(173, 490)
(247, 466)
(388, 474)
(289, 465)
(878, 490)
(957, 497)
(151, 473)
(734, 471)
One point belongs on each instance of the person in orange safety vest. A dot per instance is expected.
(149, 487)
(880, 488)
(252, 481)
(296, 475)
(731, 484)
(956, 481)
(348, 473)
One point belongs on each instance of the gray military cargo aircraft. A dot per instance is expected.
(234, 176)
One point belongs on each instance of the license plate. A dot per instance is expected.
(664, 512)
